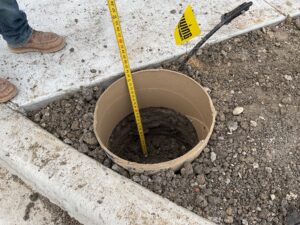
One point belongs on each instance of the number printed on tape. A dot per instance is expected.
(128, 75)
(187, 28)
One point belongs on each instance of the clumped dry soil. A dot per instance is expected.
(249, 173)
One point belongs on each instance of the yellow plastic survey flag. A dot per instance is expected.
(187, 28)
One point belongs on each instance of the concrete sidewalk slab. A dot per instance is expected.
(286, 7)
(87, 190)
(92, 54)
(16, 207)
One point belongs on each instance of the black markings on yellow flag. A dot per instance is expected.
(184, 30)
(187, 28)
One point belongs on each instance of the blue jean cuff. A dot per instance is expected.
(26, 39)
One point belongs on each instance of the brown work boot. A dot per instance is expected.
(7, 90)
(45, 42)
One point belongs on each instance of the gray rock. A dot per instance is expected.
(213, 200)
(37, 117)
(297, 23)
(287, 100)
(201, 179)
(255, 165)
(244, 125)
(213, 156)
(237, 111)
(136, 178)
(107, 162)
(87, 93)
(201, 201)
(281, 36)
(288, 77)
(229, 211)
(245, 222)
(90, 138)
(228, 219)
(198, 169)
(68, 141)
(187, 169)
(83, 148)
(119, 170)
(75, 125)
(222, 116)
(98, 154)
(268, 169)
(253, 123)
(232, 126)
(206, 150)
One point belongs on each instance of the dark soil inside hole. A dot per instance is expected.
(168, 134)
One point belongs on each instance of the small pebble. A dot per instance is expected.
(187, 169)
(288, 77)
(229, 211)
(90, 138)
(173, 11)
(75, 125)
(222, 117)
(198, 169)
(206, 150)
(227, 181)
(272, 197)
(238, 111)
(228, 220)
(245, 222)
(68, 141)
(213, 156)
(255, 165)
(232, 126)
(107, 162)
(83, 148)
(268, 169)
(253, 123)
(286, 100)
(201, 179)
(119, 170)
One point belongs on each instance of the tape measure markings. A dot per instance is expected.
(127, 71)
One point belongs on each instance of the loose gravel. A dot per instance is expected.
(249, 173)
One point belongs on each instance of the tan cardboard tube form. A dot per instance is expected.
(155, 88)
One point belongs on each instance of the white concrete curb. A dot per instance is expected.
(90, 192)
(15, 199)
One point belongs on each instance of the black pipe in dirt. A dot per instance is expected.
(225, 20)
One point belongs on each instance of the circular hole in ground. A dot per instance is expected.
(168, 134)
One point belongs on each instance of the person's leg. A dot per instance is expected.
(20, 37)
(7, 90)
(13, 24)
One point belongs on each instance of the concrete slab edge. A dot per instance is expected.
(108, 79)
(88, 191)
(279, 10)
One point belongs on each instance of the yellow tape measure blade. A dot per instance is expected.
(123, 53)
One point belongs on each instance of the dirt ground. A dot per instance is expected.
(250, 171)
